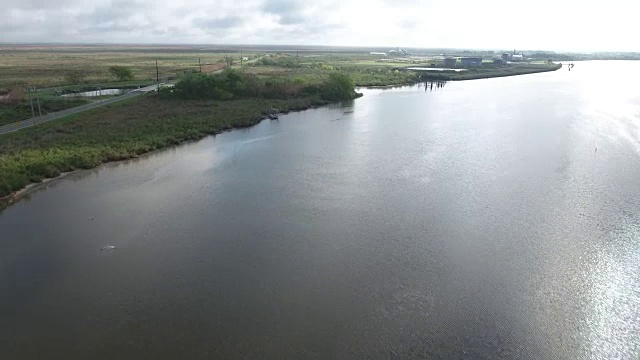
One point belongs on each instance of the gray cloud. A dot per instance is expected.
(221, 23)
(42, 4)
(281, 6)
(289, 12)
(119, 16)
(410, 23)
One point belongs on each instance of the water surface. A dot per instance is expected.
(492, 218)
(96, 93)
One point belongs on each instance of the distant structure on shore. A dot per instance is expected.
(471, 61)
(397, 52)
(450, 62)
(515, 57)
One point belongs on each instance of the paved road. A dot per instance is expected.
(57, 115)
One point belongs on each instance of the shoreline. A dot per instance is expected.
(496, 73)
(532, 71)
(33, 187)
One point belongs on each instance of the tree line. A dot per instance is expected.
(234, 84)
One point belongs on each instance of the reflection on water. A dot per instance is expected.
(429, 85)
(614, 305)
(476, 222)
(96, 93)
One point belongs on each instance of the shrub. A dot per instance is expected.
(233, 84)
(5, 188)
(122, 73)
(337, 87)
(202, 86)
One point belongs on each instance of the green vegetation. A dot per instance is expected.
(121, 131)
(367, 71)
(222, 86)
(12, 112)
(312, 68)
(122, 73)
(231, 84)
(377, 76)
(337, 87)
(284, 61)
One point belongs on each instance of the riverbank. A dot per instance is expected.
(487, 72)
(123, 131)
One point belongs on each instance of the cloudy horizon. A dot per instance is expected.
(492, 24)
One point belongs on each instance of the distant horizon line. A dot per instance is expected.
(300, 47)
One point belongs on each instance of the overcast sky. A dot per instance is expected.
(488, 24)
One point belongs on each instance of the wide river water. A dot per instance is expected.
(485, 219)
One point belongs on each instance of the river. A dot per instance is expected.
(491, 218)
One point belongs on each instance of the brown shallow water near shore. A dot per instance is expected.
(472, 221)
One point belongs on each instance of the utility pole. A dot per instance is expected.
(241, 58)
(200, 64)
(157, 76)
(33, 114)
(39, 110)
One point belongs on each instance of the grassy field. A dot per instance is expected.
(47, 69)
(10, 113)
(362, 69)
(368, 70)
(362, 76)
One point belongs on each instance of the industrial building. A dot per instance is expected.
(471, 61)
